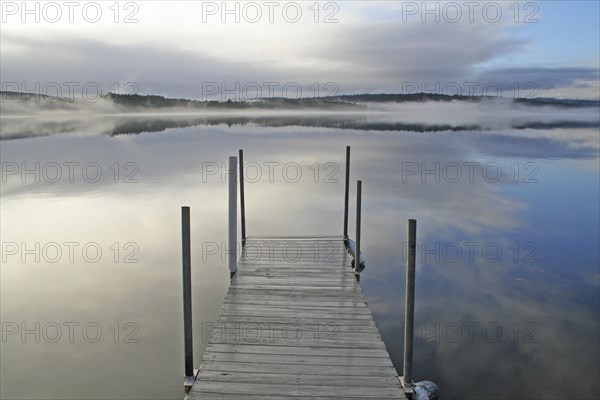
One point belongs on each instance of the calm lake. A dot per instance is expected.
(508, 280)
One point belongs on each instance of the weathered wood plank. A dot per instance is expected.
(297, 294)
(325, 341)
(298, 359)
(299, 309)
(295, 379)
(269, 389)
(308, 326)
(282, 297)
(302, 322)
(283, 301)
(294, 350)
(330, 370)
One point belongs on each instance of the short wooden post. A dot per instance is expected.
(232, 250)
(357, 253)
(347, 193)
(409, 312)
(242, 201)
(187, 294)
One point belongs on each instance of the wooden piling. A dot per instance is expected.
(409, 316)
(187, 291)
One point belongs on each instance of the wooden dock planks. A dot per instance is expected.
(295, 325)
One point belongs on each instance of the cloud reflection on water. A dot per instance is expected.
(172, 165)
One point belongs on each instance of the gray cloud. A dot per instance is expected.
(393, 53)
(155, 70)
(358, 58)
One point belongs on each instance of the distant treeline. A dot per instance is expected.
(402, 98)
(543, 101)
(341, 102)
(154, 101)
(344, 101)
(280, 102)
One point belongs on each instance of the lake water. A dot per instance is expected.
(507, 295)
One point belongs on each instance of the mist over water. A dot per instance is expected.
(508, 279)
(21, 119)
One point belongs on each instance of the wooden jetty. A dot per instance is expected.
(294, 323)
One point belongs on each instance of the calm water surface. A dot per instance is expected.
(508, 264)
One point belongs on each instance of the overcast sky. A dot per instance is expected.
(184, 49)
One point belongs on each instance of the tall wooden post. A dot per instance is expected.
(187, 293)
(347, 192)
(232, 250)
(242, 199)
(409, 313)
(358, 212)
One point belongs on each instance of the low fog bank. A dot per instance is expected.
(27, 104)
(29, 115)
(486, 114)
